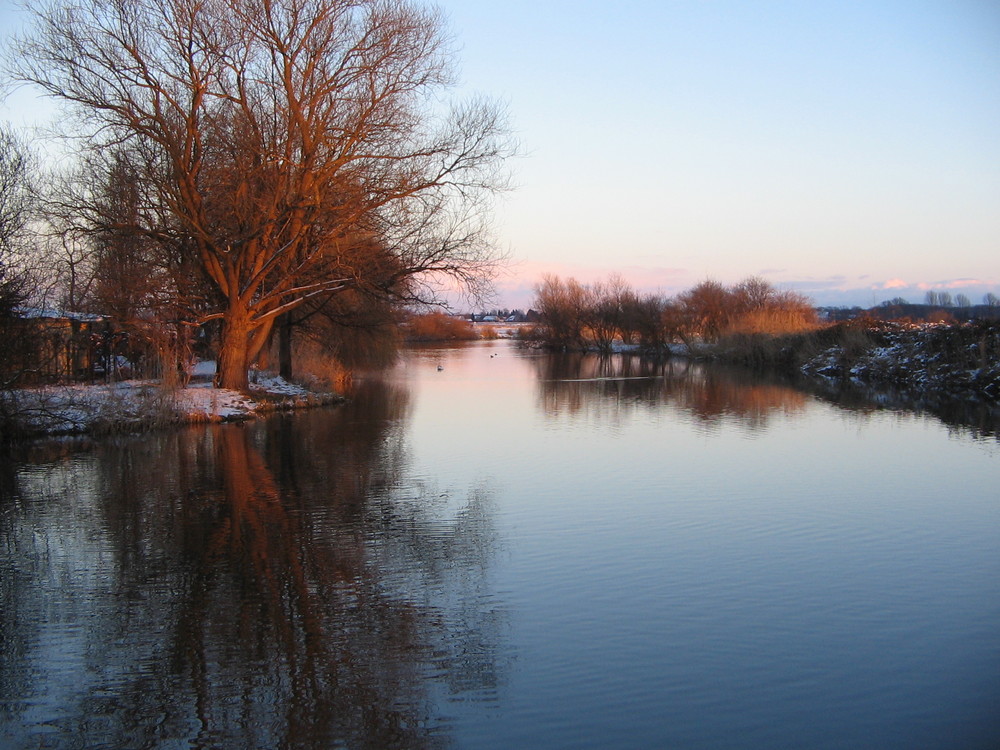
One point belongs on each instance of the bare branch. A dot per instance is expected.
(281, 147)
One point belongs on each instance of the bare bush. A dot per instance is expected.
(319, 370)
(562, 306)
(439, 326)
(708, 308)
(599, 314)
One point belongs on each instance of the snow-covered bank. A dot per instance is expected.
(958, 359)
(134, 405)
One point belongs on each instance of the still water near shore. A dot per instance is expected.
(496, 548)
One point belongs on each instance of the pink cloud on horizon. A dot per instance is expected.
(891, 284)
(515, 287)
(960, 284)
(963, 283)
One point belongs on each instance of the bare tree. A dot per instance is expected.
(15, 213)
(623, 305)
(648, 321)
(708, 308)
(276, 143)
(759, 308)
(753, 293)
(563, 306)
(601, 314)
(16, 278)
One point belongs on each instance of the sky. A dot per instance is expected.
(846, 150)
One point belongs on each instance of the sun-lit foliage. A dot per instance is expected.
(280, 153)
(599, 315)
(439, 326)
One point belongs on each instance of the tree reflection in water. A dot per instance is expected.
(281, 584)
(606, 389)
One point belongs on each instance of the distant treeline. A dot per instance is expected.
(596, 316)
(752, 323)
(927, 312)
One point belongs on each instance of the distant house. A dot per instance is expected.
(56, 346)
(505, 316)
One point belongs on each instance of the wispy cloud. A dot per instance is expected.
(812, 284)
(963, 284)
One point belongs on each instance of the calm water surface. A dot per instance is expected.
(515, 550)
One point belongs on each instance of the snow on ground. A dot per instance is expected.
(202, 400)
(960, 359)
(134, 404)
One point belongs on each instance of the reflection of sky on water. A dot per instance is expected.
(686, 543)
(512, 551)
(283, 583)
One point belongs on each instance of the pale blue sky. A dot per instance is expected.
(848, 150)
(833, 147)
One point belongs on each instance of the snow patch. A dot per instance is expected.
(134, 404)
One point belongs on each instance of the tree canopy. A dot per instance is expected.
(281, 151)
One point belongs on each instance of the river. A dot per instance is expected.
(491, 547)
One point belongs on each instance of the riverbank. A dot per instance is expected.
(137, 405)
(958, 359)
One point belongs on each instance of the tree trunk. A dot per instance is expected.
(285, 346)
(233, 351)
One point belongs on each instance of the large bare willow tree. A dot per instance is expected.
(289, 148)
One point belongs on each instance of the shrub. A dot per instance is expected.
(437, 326)
(319, 370)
